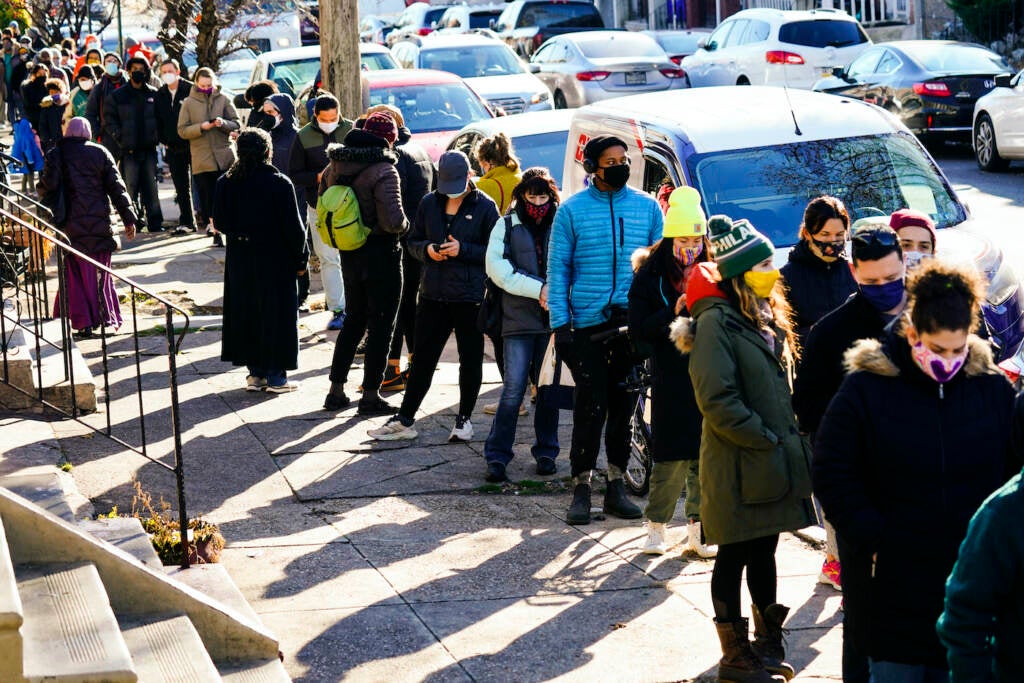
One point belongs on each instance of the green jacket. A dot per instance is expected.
(755, 466)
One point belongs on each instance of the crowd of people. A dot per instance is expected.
(859, 392)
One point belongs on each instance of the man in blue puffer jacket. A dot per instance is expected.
(589, 273)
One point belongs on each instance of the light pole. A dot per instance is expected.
(120, 35)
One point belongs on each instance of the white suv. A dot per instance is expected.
(776, 47)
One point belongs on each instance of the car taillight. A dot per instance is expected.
(538, 39)
(677, 59)
(425, 31)
(592, 75)
(783, 57)
(938, 89)
(672, 73)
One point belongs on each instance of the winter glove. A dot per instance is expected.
(563, 336)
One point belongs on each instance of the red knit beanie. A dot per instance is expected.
(909, 217)
(381, 125)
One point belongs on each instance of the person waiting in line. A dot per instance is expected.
(84, 82)
(755, 477)
(113, 79)
(372, 272)
(919, 430)
(256, 207)
(450, 237)
(169, 98)
(589, 274)
(517, 263)
(307, 161)
(207, 119)
(33, 92)
(51, 116)
(656, 297)
(917, 235)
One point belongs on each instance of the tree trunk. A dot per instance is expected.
(339, 54)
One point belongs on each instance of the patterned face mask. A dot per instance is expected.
(537, 212)
(687, 255)
(935, 366)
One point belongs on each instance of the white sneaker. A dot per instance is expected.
(253, 383)
(462, 431)
(696, 545)
(492, 409)
(281, 388)
(393, 430)
(655, 544)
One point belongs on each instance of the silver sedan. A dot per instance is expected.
(581, 68)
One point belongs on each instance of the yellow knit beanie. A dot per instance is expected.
(684, 218)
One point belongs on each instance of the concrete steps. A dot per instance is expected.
(24, 363)
(82, 608)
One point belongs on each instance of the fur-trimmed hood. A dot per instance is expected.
(870, 355)
(640, 257)
(361, 155)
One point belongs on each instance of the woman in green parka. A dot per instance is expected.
(754, 465)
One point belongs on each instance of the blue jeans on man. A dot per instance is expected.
(524, 354)
(894, 672)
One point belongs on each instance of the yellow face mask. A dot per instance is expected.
(761, 283)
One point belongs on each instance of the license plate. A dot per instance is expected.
(827, 71)
(636, 78)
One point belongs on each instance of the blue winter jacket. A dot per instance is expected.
(592, 239)
(25, 148)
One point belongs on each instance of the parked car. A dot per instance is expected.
(487, 65)
(931, 85)
(435, 104)
(463, 18)
(268, 25)
(290, 69)
(803, 144)
(581, 68)
(374, 57)
(189, 61)
(776, 47)
(538, 138)
(234, 76)
(526, 24)
(999, 124)
(679, 44)
(418, 19)
(309, 22)
(374, 29)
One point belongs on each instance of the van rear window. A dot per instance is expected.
(560, 15)
(822, 33)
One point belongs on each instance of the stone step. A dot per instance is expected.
(167, 650)
(266, 671)
(42, 488)
(70, 633)
(11, 615)
(56, 382)
(127, 534)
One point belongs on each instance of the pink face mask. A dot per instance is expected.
(935, 366)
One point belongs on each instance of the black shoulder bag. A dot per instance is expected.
(489, 318)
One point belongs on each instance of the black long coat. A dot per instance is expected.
(900, 466)
(266, 247)
(675, 418)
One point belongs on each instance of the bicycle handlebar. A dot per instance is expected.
(608, 334)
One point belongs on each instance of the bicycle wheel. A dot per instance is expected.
(638, 470)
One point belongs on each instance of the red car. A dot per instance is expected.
(435, 104)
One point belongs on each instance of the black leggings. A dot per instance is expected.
(758, 556)
(405, 326)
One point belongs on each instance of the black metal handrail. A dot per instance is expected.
(33, 307)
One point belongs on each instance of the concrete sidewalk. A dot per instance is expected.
(394, 561)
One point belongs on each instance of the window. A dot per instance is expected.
(634, 45)
(888, 64)
(405, 54)
(656, 174)
(560, 15)
(432, 16)
(757, 32)
(822, 33)
(957, 58)
(545, 54)
(432, 108)
(864, 65)
(482, 19)
(375, 61)
(473, 61)
(293, 75)
(735, 36)
(508, 16)
(717, 39)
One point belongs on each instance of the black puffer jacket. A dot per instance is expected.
(92, 183)
(370, 172)
(460, 278)
(167, 110)
(416, 171)
(95, 113)
(900, 466)
(121, 114)
(814, 287)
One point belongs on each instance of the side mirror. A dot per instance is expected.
(840, 72)
(1004, 81)
(240, 102)
(534, 68)
(491, 24)
(705, 44)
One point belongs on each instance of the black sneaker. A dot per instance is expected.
(375, 405)
(495, 472)
(334, 403)
(546, 466)
(218, 241)
(361, 349)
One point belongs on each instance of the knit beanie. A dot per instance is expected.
(598, 144)
(120, 62)
(907, 217)
(78, 127)
(684, 217)
(381, 125)
(737, 246)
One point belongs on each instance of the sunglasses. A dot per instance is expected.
(883, 238)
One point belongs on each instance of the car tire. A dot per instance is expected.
(986, 151)
(560, 102)
(742, 80)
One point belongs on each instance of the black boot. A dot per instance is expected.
(617, 503)
(739, 664)
(579, 511)
(768, 639)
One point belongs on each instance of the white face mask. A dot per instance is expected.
(169, 78)
(456, 195)
(327, 127)
(85, 85)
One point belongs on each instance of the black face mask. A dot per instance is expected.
(615, 176)
(40, 79)
(139, 77)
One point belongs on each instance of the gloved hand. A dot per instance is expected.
(563, 336)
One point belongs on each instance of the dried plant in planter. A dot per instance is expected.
(205, 540)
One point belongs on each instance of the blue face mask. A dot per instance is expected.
(884, 297)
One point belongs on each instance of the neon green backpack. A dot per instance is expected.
(338, 219)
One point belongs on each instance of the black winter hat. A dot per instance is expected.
(597, 145)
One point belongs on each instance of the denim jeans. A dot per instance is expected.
(140, 178)
(893, 672)
(275, 378)
(524, 354)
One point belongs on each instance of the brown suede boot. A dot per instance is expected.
(739, 664)
(768, 639)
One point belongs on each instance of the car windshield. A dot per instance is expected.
(822, 33)
(431, 108)
(873, 175)
(433, 15)
(482, 19)
(542, 149)
(375, 61)
(292, 75)
(235, 81)
(678, 43)
(965, 59)
(560, 15)
(621, 45)
(472, 61)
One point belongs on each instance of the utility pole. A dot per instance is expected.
(339, 54)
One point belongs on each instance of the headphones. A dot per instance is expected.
(589, 166)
